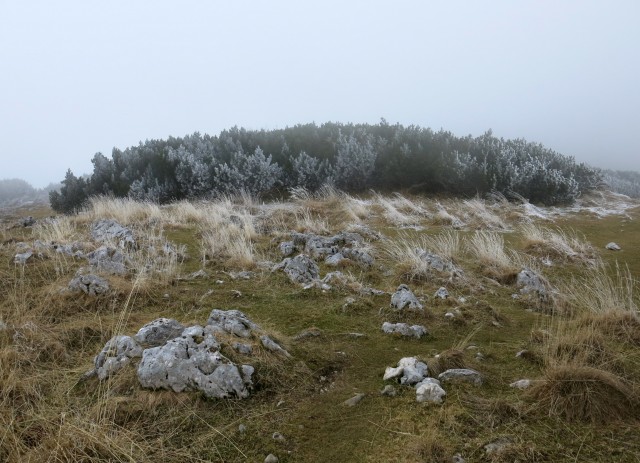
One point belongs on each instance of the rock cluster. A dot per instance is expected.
(412, 372)
(334, 249)
(110, 231)
(182, 358)
(89, 284)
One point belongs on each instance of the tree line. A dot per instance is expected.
(352, 157)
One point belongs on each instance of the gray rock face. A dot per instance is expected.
(22, 258)
(89, 284)
(115, 355)
(110, 231)
(464, 375)
(441, 293)
(159, 331)
(404, 298)
(301, 269)
(75, 249)
(530, 282)
(613, 247)
(287, 248)
(191, 363)
(319, 247)
(416, 331)
(231, 322)
(108, 260)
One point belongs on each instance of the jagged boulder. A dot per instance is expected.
(192, 362)
(404, 298)
(89, 284)
(115, 355)
(403, 329)
(231, 322)
(110, 231)
(159, 331)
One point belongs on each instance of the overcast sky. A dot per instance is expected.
(78, 77)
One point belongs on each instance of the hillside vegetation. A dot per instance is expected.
(352, 157)
(575, 336)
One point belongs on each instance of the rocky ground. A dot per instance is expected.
(324, 328)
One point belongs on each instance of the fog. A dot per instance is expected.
(82, 77)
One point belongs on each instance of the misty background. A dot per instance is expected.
(80, 77)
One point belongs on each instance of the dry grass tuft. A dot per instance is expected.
(445, 360)
(124, 210)
(557, 243)
(488, 249)
(477, 215)
(584, 393)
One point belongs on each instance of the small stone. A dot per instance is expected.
(273, 346)
(271, 458)
(278, 437)
(242, 429)
(441, 293)
(235, 293)
(521, 384)
(613, 247)
(428, 391)
(219, 282)
(466, 375)
(449, 315)
(355, 400)
(457, 458)
(404, 298)
(22, 258)
(389, 391)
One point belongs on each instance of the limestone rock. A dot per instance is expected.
(110, 231)
(301, 269)
(410, 371)
(530, 282)
(430, 391)
(22, 258)
(334, 259)
(355, 400)
(273, 346)
(271, 458)
(287, 248)
(436, 262)
(521, 384)
(190, 363)
(108, 260)
(159, 331)
(613, 247)
(360, 256)
(115, 355)
(404, 329)
(465, 375)
(89, 284)
(244, 349)
(232, 322)
(404, 298)
(389, 391)
(441, 293)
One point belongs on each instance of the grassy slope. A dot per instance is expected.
(50, 415)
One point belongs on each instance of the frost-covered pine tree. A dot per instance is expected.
(355, 161)
(310, 172)
(254, 173)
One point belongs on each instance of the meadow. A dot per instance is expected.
(578, 341)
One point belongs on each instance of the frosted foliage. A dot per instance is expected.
(255, 174)
(309, 172)
(355, 161)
